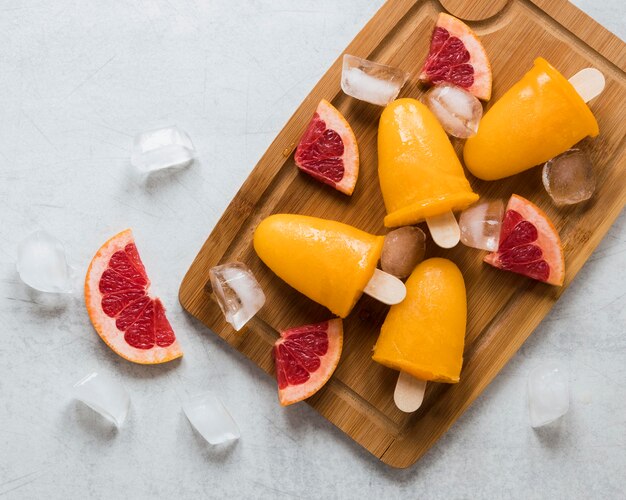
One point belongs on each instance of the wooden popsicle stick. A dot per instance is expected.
(409, 392)
(444, 229)
(589, 83)
(385, 288)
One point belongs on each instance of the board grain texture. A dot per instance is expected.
(503, 308)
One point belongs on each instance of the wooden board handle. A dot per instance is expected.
(474, 11)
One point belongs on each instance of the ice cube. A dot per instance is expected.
(569, 178)
(480, 225)
(370, 81)
(403, 249)
(41, 263)
(162, 148)
(237, 292)
(104, 395)
(211, 419)
(458, 111)
(548, 394)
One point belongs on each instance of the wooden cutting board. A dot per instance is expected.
(503, 308)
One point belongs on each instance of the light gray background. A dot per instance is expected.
(77, 80)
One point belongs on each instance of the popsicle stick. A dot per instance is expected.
(385, 288)
(588, 82)
(444, 229)
(409, 392)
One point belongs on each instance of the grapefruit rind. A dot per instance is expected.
(548, 239)
(481, 87)
(296, 393)
(334, 120)
(105, 325)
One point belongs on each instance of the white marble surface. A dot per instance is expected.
(78, 80)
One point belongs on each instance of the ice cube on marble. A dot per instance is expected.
(42, 265)
(237, 292)
(211, 419)
(162, 148)
(370, 81)
(403, 249)
(548, 394)
(480, 225)
(458, 111)
(104, 395)
(569, 177)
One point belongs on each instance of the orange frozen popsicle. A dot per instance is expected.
(329, 262)
(424, 335)
(419, 172)
(538, 118)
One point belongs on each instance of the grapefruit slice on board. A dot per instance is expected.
(130, 321)
(305, 358)
(456, 56)
(529, 244)
(328, 150)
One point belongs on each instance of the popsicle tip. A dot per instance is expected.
(444, 229)
(589, 83)
(409, 393)
(385, 288)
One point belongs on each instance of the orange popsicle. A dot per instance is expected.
(419, 172)
(538, 118)
(424, 335)
(329, 262)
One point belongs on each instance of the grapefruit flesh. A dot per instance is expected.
(126, 317)
(529, 244)
(456, 56)
(328, 150)
(305, 358)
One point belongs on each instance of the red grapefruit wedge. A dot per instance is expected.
(529, 244)
(456, 56)
(328, 150)
(305, 358)
(130, 321)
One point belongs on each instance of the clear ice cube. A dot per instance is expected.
(42, 265)
(569, 178)
(211, 419)
(403, 249)
(370, 81)
(167, 147)
(480, 225)
(458, 111)
(104, 395)
(548, 394)
(237, 292)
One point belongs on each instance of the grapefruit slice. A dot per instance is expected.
(305, 358)
(456, 56)
(328, 150)
(529, 244)
(126, 317)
